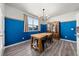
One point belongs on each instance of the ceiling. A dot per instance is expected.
(51, 9)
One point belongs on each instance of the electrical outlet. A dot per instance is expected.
(65, 36)
(22, 37)
(72, 29)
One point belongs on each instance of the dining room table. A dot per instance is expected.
(39, 37)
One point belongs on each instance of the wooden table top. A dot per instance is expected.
(41, 35)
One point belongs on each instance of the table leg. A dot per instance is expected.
(32, 42)
(40, 45)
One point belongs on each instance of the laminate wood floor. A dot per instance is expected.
(57, 48)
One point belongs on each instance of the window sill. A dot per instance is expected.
(32, 30)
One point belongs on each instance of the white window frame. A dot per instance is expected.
(32, 25)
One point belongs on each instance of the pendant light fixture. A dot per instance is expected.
(44, 17)
(43, 14)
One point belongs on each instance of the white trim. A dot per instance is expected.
(69, 40)
(17, 44)
(14, 18)
(69, 20)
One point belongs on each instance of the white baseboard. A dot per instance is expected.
(29, 40)
(17, 43)
(1, 51)
(69, 40)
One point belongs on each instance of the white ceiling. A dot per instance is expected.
(51, 9)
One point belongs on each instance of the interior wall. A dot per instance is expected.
(64, 17)
(13, 16)
(43, 28)
(77, 34)
(14, 26)
(77, 17)
(14, 30)
(68, 30)
(11, 12)
(67, 22)
(1, 28)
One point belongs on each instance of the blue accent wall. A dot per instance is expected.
(66, 31)
(27, 35)
(43, 28)
(14, 31)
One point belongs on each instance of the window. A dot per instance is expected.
(32, 23)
